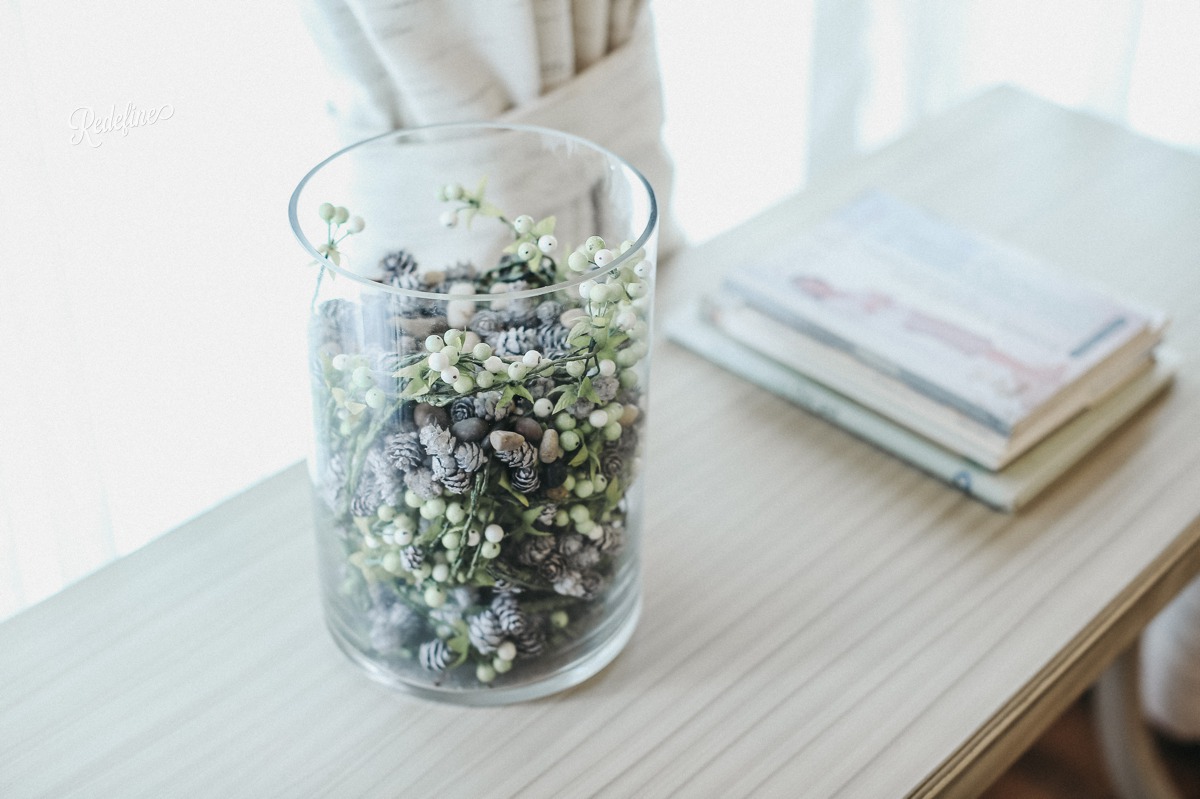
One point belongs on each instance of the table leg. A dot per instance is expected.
(1130, 751)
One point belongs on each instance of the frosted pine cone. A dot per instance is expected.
(395, 264)
(535, 549)
(570, 545)
(485, 632)
(606, 387)
(487, 406)
(462, 408)
(582, 408)
(546, 517)
(552, 340)
(460, 272)
(391, 627)
(437, 440)
(404, 451)
(523, 457)
(549, 311)
(514, 341)
(512, 619)
(525, 479)
(531, 640)
(435, 655)
(333, 483)
(612, 538)
(552, 568)
(420, 482)
(569, 584)
(458, 483)
(412, 558)
(611, 462)
(485, 323)
(444, 466)
(470, 457)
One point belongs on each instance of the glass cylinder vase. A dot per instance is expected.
(479, 351)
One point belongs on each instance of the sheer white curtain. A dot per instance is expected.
(150, 356)
(151, 303)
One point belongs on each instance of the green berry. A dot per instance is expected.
(489, 550)
(485, 673)
(560, 619)
(584, 489)
(578, 262)
(455, 515)
(523, 224)
(502, 666)
(593, 245)
(569, 440)
(434, 597)
(325, 211)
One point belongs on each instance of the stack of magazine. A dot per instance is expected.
(967, 357)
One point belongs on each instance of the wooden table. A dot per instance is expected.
(820, 619)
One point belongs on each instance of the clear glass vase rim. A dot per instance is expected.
(622, 258)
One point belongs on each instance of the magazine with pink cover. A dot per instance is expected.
(975, 324)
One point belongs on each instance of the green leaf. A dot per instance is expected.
(587, 392)
(412, 370)
(567, 399)
(467, 215)
(479, 189)
(521, 391)
(506, 396)
(579, 328)
(459, 644)
(487, 209)
(612, 494)
(580, 456)
(415, 388)
(544, 228)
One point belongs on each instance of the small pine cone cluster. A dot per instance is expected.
(404, 451)
(552, 567)
(612, 538)
(435, 655)
(485, 632)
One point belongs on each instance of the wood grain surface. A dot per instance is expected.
(820, 619)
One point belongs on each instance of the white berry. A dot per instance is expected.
(507, 651)
(547, 244)
(448, 218)
(603, 257)
(494, 533)
(523, 224)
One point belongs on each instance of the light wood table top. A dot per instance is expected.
(820, 619)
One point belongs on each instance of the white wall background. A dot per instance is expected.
(152, 301)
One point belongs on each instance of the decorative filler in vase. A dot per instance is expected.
(479, 391)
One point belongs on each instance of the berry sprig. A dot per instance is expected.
(528, 258)
(337, 217)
